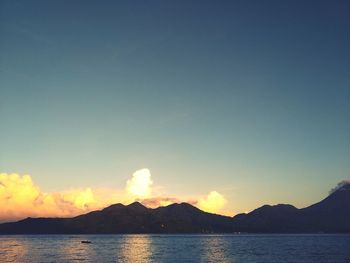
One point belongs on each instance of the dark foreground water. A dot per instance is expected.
(176, 248)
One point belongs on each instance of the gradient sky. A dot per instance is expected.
(248, 98)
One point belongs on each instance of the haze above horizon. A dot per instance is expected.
(227, 105)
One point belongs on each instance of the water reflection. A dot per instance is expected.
(71, 249)
(13, 249)
(135, 248)
(175, 248)
(215, 250)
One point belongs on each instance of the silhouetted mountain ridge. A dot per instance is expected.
(331, 215)
(133, 218)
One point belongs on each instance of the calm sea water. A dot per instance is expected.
(176, 248)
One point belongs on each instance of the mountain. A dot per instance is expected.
(133, 218)
(331, 215)
(277, 218)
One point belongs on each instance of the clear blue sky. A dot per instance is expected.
(249, 98)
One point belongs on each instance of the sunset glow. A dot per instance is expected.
(212, 203)
(174, 131)
(214, 103)
(20, 197)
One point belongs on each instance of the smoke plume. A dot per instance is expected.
(343, 185)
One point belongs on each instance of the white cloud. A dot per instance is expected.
(140, 184)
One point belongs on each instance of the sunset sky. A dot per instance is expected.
(228, 105)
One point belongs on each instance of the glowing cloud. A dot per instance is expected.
(81, 199)
(20, 198)
(140, 184)
(155, 202)
(212, 203)
(14, 192)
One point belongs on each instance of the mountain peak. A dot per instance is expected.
(113, 207)
(342, 186)
(279, 208)
(331, 215)
(137, 205)
(183, 205)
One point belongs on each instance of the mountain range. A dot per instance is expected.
(331, 215)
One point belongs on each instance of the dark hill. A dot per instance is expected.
(277, 218)
(133, 218)
(331, 215)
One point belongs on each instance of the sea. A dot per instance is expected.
(176, 248)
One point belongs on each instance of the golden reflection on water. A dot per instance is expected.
(214, 247)
(135, 248)
(74, 250)
(13, 250)
(120, 248)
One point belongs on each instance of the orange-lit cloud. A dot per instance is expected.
(155, 202)
(213, 202)
(20, 198)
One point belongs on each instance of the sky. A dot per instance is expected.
(225, 104)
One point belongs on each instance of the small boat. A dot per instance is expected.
(86, 242)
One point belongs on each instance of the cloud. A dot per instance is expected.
(20, 197)
(343, 185)
(140, 184)
(81, 199)
(14, 192)
(213, 202)
(155, 202)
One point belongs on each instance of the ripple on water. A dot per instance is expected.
(176, 248)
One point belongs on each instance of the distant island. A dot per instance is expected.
(331, 215)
